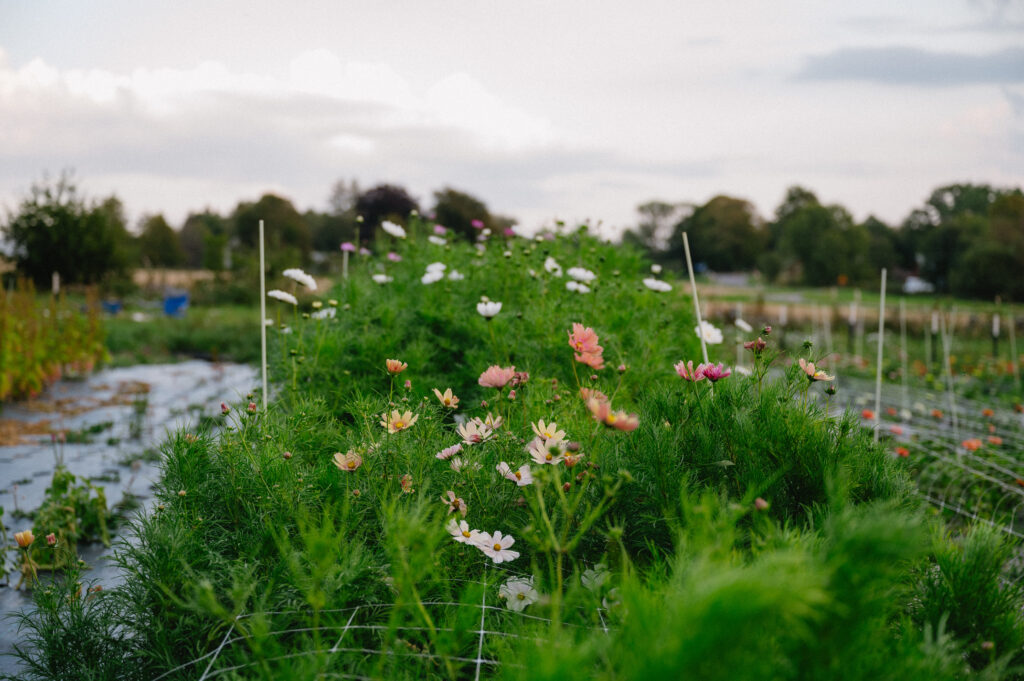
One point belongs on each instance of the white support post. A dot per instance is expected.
(263, 317)
(696, 302)
(878, 361)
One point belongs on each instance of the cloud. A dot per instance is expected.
(914, 66)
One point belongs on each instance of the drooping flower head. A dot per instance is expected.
(714, 372)
(297, 274)
(449, 452)
(812, 373)
(455, 504)
(496, 376)
(396, 422)
(282, 296)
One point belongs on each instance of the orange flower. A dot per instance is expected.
(396, 366)
(937, 413)
(24, 538)
(896, 430)
(903, 452)
(987, 413)
(867, 415)
(971, 445)
(995, 440)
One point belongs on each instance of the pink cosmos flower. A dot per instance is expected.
(814, 374)
(394, 257)
(620, 420)
(477, 224)
(688, 373)
(521, 477)
(714, 372)
(440, 230)
(448, 452)
(594, 361)
(348, 247)
(547, 451)
(509, 231)
(455, 504)
(365, 251)
(756, 346)
(473, 432)
(496, 376)
(584, 340)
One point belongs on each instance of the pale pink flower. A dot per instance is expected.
(395, 366)
(448, 452)
(446, 398)
(396, 422)
(584, 340)
(474, 432)
(348, 462)
(440, 229)
(521, 477)
(460, 532)
(756, 346)
(492, 422)
(496, 546)
(458, 465)
(348, 247)
(406, 483)
(547, 451)
(688, 373)
(592, 360)
(714, 372)
(496, 376)
(619, 420)
(455, 504)
(812, 373)
(548, 431)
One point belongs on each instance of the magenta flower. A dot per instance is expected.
(509, 231)
(394, 257)
(713, 372)
(477, 224)
(348, 247)
(756, 346)
(440, 230)
(365, 251)
(688, 373)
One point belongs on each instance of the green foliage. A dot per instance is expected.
(55, 230)
(457, 210)
(158, 244)
(74, 509)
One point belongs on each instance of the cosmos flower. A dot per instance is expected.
(396, 366)
(581, 274)
(488, 308)
(496, 546)
(619, 420)
(432, 277)
(436, 240)
(446, 398)
(473, 433)
(348, 247)
(812, 373)
(455, 275)
(396, 422)
(552, 267)
(496, 376)
(460, 532)
(282, 296)
(382, 278)
(657, 285)
(300, 276)
(688, 373)
(743, 326)
(348, 462)
(711, 334)
(548, 431)
(394, 230)
(713, 372)
(518, 593)
(521, 477)
(547, 451)
(455, 504)
(449, 452)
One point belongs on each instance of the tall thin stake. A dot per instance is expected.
(878, 362)
(1011, 323)
(904, 358)
(696, 303)
(263, 317)
(947, 341)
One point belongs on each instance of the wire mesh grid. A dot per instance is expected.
(361, 631)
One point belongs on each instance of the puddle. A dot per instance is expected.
(100, 427)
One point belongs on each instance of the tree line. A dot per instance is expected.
(56, 229)
(966, 240)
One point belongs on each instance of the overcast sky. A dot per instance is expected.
(552, 109)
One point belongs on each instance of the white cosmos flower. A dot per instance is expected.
(548, 451)
(394, 230)
(712, 335)
(460, 532)
(518, 593)
(382, 278)
(552, 266)
(656, 269)
(431, 277)
(577, 287)
(521, 477)
(743, 326)
(436, 240)
(581, 274)
(489, 308)
(594, 577)
(437, 267)
(301, 277)
(282, 296)
(325, 313)
(455, 275)
(657, 285)
(496, 546)
(449, 452)
(459, 464)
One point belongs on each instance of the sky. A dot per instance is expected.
(564, 109)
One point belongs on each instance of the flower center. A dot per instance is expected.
(399, 425)
(521, 596)
(465, 533)
(497, 547)
(447, 402)
(548, 456)
(519, 476)
(351, 464)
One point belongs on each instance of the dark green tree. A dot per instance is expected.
(158, 244)
(287, 236)
(726, 234)
(55, 230)
(456, 210)
(383, 202)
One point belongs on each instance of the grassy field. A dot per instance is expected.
(582, 512)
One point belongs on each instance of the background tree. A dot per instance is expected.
(654, 230)
(287, 235)
(383, 202)
(54, 230)
(203, 238)
(158, 243)
(456, 210)
(725, 234)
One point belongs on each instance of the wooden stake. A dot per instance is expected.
(696, 303)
